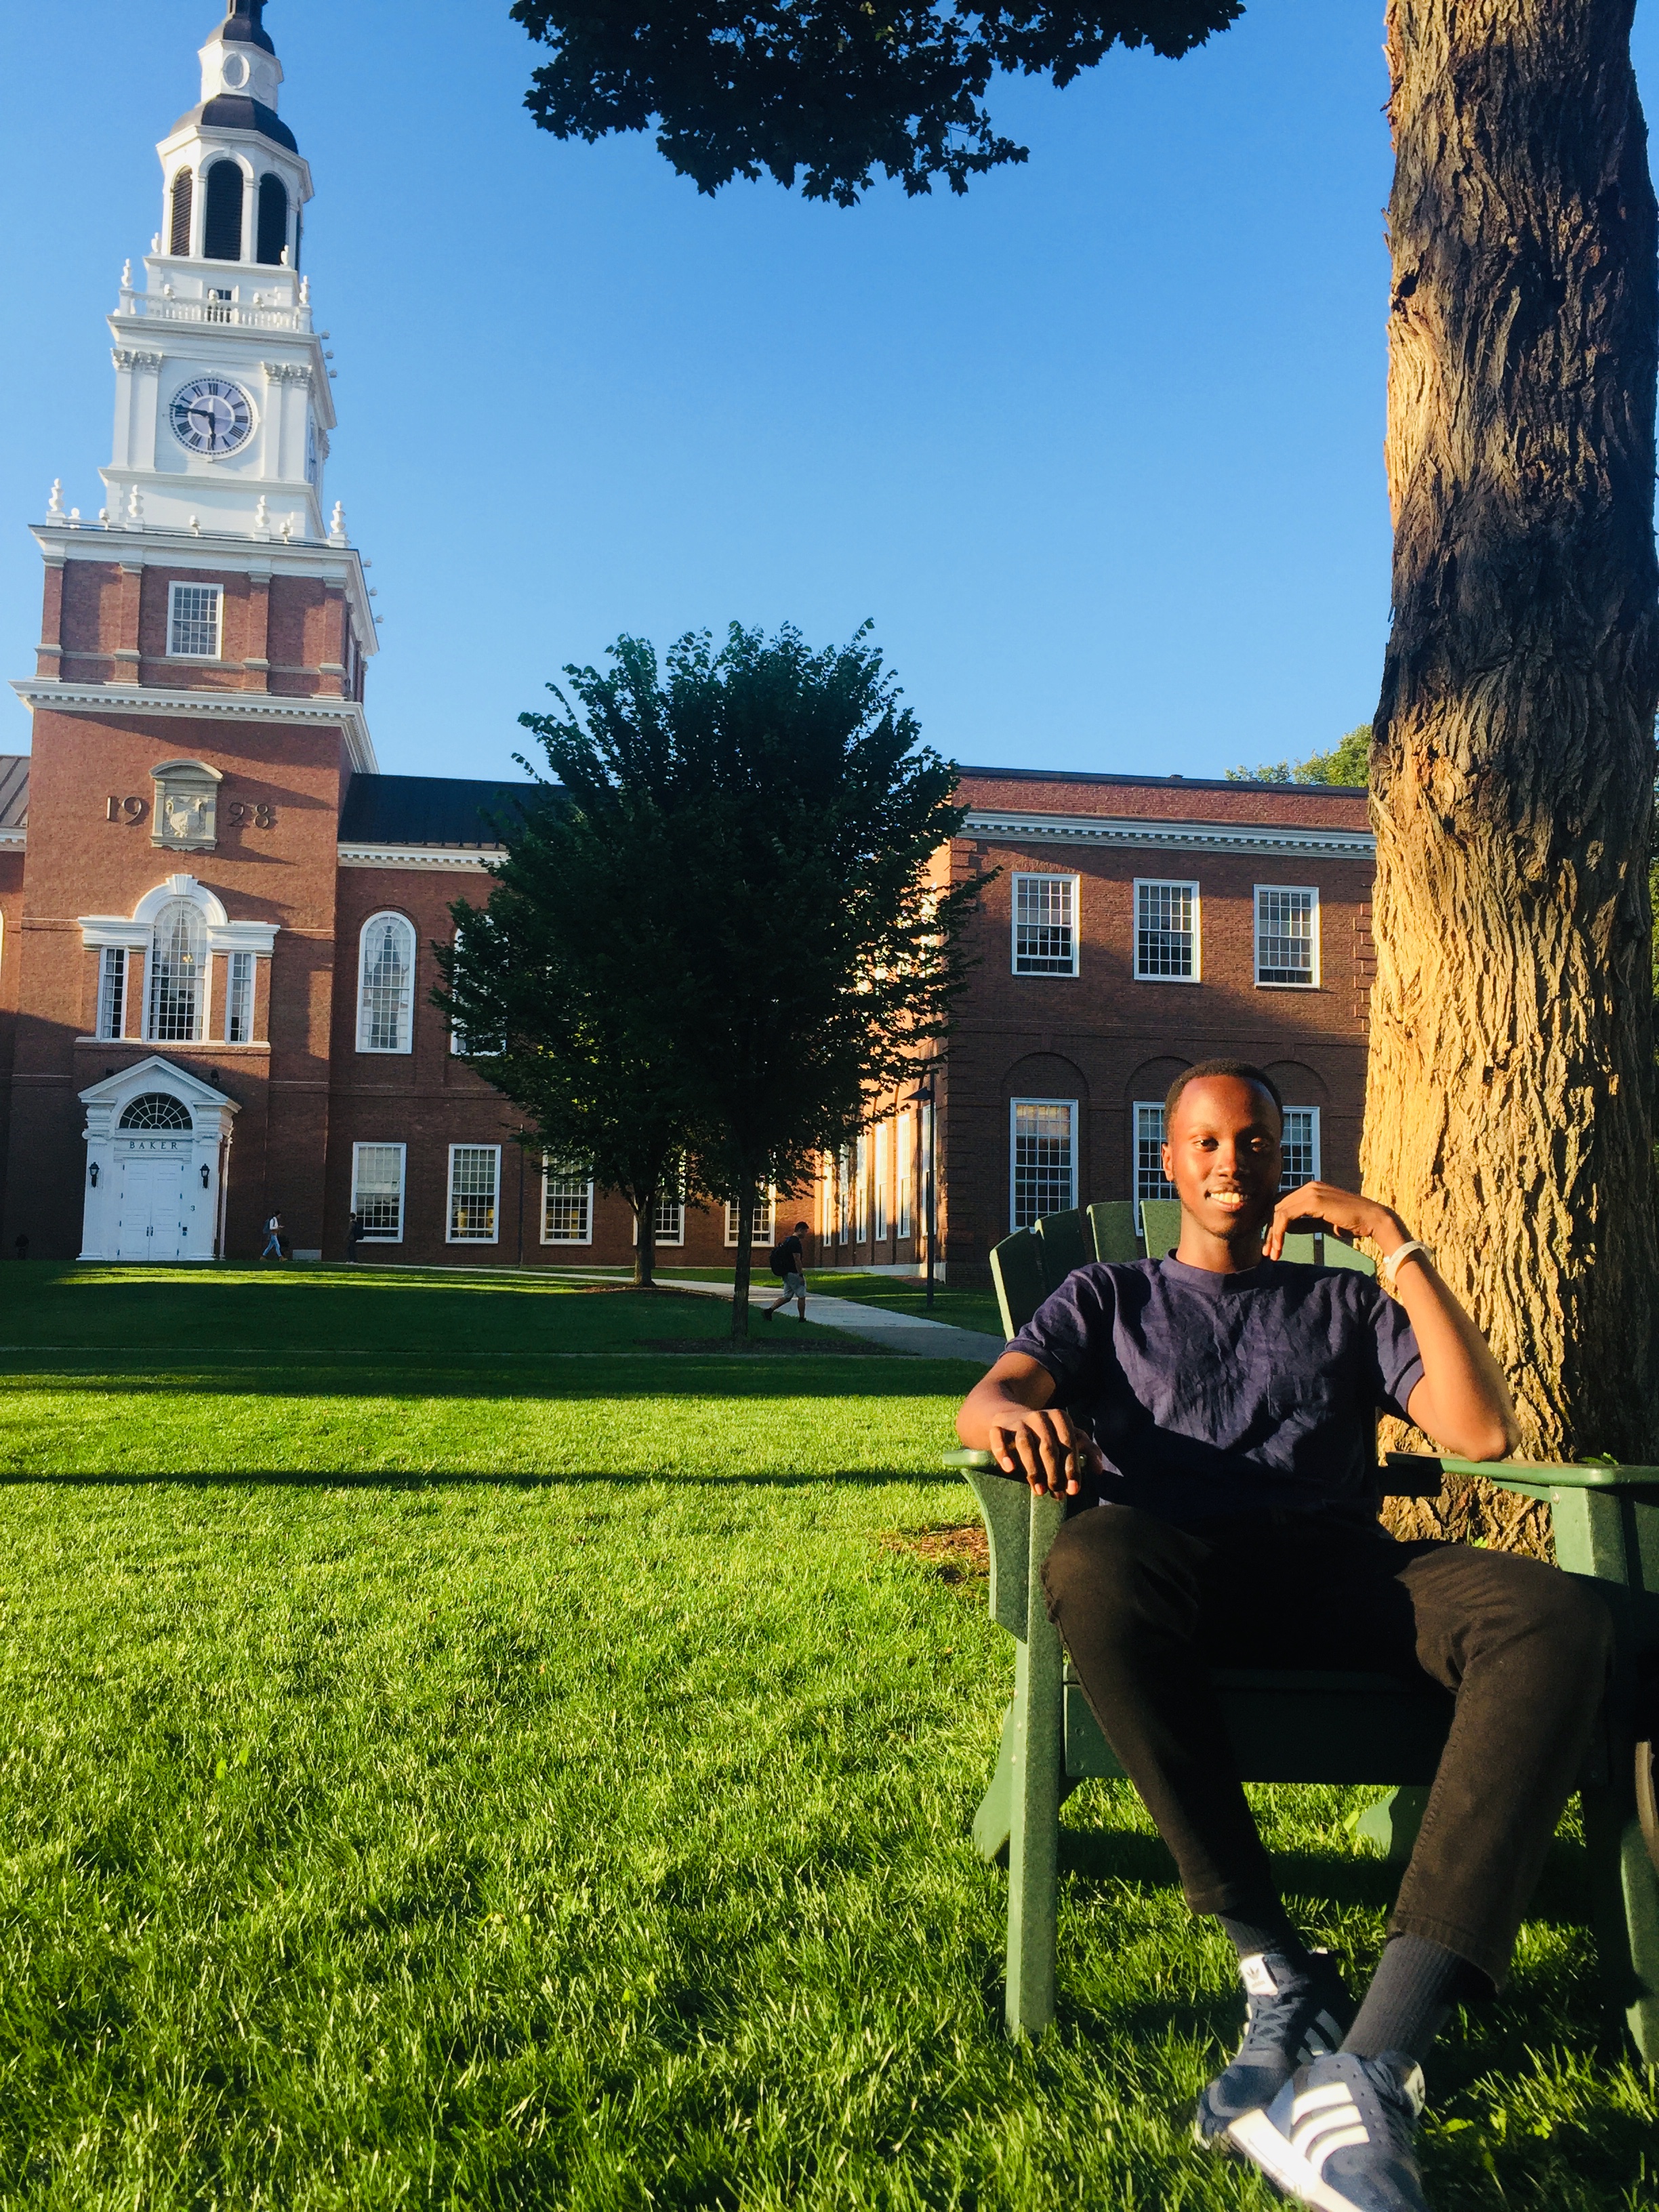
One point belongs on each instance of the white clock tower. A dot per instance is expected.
(222, 408)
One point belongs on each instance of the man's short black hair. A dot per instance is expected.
(1245, 1070)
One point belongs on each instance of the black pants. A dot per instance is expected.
(1146, 1609)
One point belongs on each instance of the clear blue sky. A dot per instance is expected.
(1098, 447)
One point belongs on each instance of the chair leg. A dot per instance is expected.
(994, 1818)
(1393, 1822)
(1034, 1838)
(1624, 1900)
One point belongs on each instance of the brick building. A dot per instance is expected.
(217, 915)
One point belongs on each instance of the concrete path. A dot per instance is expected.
(900, 1332)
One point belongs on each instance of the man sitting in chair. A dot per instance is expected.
(1212, 1410)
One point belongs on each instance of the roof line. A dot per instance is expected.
(1159, 782)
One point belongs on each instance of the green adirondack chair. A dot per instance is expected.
(1309, 1726)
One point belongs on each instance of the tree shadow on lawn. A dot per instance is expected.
(401, 1478)
(565, 1377)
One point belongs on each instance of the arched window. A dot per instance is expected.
(273, 219)
(177, 973)
(155, 1109)
(222, 235)
(385, 982)
(179, 237)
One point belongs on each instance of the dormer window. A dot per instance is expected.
(222, 235)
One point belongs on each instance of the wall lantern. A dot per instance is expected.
(93, 1173)
(204, 1175)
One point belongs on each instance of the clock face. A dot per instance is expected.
(212, 417)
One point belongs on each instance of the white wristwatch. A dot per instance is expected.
(1388, 1266)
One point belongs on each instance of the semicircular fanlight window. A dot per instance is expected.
(155, 1109)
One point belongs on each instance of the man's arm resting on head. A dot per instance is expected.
(1010, 1413)
(1462, 1402)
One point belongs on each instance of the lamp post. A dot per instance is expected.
(925, 1095)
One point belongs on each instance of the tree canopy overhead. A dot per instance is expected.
(826, 93)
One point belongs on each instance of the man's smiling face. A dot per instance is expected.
(1221, 1151)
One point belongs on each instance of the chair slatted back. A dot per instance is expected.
(1300, 1249)
(1064, 1243)
(1112, 1229)
(1160, 1219)
(1017, 1271)
(1339, 1255)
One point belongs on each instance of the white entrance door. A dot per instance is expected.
(150, 1218)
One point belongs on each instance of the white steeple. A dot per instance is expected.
(222, 406)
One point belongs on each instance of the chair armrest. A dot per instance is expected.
(1526, 1479)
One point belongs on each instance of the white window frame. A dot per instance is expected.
(671, 1202)
(114, 978)
(1313, 1112)
(451, 1234)
(573, 1185)
(861, 1189)
(176, 652)
(1167, 883)
(1014, 1105)
(1045, 876)
(878, 1186)
(766, 1217)
(381, 1236)
(241, 975)
(904, 1210)
(1136, 1193)
(153, 979)
(844, 1195)
(459, 1045)
(406, 1015)
(1310, 981)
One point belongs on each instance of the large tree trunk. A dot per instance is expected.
(744, 1262)
(645, 1241)
(1509, 1108)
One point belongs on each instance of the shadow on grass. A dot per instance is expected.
(413, 1479)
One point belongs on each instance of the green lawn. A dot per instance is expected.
(454, 1755)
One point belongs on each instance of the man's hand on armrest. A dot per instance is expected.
(1009, 1414)
(1463, 1403)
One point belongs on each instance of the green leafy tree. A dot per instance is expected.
(756, 830)
(1348, 761)
(544, 992)
(1512, 1019)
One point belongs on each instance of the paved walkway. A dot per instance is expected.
(900, 1332)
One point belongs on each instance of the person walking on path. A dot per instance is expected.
(787, 1259)
(1207, 1415)
(273, 1238)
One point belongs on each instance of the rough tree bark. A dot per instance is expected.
(743, 1260)
(1509, 1108)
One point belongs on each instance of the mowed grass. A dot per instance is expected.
(453, 1755)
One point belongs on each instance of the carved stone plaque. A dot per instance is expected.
(186, 817)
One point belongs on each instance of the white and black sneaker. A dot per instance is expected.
(1295, 2013)
(1341, 2134)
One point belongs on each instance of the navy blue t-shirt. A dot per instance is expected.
(1228, 1393)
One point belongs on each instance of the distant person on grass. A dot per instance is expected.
(787, 1259)
(1208, 1415)
(273, 1238)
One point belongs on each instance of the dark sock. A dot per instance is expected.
(1266, 1926)
(1415, 1986)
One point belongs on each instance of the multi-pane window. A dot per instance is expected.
(844, 1195)
(178, 974)
(879, 1193)
(239, 999)
(385, 984)
(1044, 1147)
(1166, 933)
(764, 1232)
(668, 1222)
(1301, 1143)
(905, 1209)
(1147, 1138)
(1045, 925)
(112, 992)
(1288, 934)
(861, 1189)
(195, 617)
(377, 1191)
(475, 1173)
(482, 1048)
(567, 1206)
